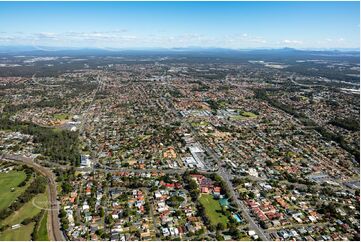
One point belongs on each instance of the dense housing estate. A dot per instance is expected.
(180, 148)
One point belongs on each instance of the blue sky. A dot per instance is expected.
(181, 24)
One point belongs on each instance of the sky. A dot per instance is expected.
(181, 24)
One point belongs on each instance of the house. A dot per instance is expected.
(276, 223)
(85, 206)
(298, 219)
(85, 161)
(115, 215)
(217, 191)
(88, 190)
(281, 202)
(165, 232)
(312, 219)
(145, 234)
(204, 190)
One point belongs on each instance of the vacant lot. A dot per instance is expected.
(213, 209)
(8, 181)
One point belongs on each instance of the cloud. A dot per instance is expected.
(124, 38)
(337, 40)
(243, 40)
(6, 38)
(292, 42)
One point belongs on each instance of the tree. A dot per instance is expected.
(66, 187)
(263, 224)
(26, 221)
(109, 219)
(211, 227)
(219, 237)
(220, 227)
(101, 212)
(99, 232)
(234, 232)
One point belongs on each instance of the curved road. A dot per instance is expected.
(54, 231)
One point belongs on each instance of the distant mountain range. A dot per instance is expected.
(46, 51)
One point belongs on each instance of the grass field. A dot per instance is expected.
(28, 210)
(61, 116)
(42, 233)
(212, 209)
(244, 116)
(249, 115)
(199, 124)
(23, 233)
(245, 238)
(8, 181)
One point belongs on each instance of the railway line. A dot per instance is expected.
(54, 228)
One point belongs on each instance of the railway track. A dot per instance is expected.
(54, 232)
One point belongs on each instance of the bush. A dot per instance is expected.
(26, 221)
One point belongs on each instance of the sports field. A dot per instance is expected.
(213, 209)
(249, 114)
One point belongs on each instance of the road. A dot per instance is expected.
(41, 84)
(129, 170)
(151, 211)
(245, 214)
(224, 174)
(54, 228)
(295, 226)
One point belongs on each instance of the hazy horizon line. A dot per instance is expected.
(109, 48)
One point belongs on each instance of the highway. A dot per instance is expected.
(54, 228)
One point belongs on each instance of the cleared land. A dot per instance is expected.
(23, 233)
(8, 181)
(213, 209)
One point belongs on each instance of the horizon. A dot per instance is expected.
(169, 25)
(32, 48)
